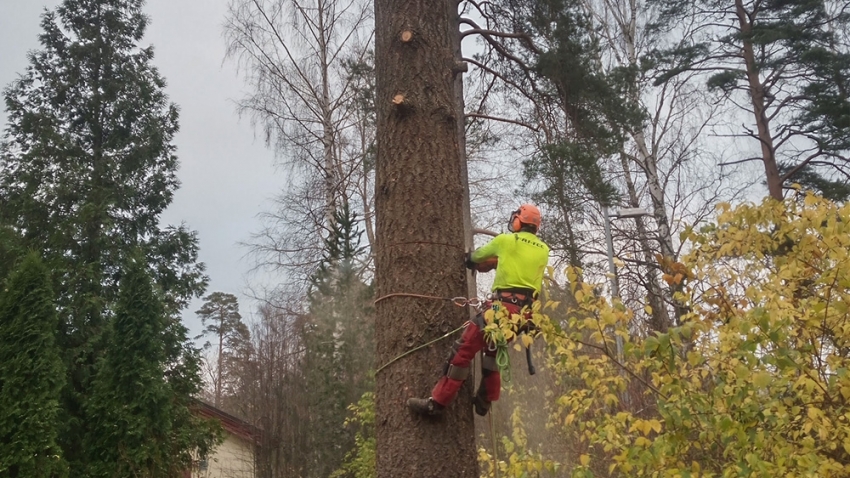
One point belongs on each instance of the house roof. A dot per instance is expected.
(232, 424)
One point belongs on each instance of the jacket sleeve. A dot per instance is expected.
(489, 250)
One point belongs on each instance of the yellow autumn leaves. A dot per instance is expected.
(753, 381)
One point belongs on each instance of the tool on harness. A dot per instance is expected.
(531, 369)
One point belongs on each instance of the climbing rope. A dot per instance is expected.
(458, 301)
(503, 360)
(446, 335)
(493, 442)
(474, 302)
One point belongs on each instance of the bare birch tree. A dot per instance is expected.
(671, 140)
(300, 59)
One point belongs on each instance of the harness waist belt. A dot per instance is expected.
(518, 294)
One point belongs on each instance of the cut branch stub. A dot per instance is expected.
(460, 67)
(402, 104)
(406, 36)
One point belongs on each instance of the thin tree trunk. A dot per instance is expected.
(771, 171)
(220, 360)
(458, 69)
(328, 132)
(655, 187)
(660, 320)
(419, 203)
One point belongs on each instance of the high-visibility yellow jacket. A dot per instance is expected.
(522, 260)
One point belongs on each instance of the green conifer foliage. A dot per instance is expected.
(87, 166)
(87, 159)
(553, 55)
(9, 250)
(139, 406)
(31, 375)
(339, 345)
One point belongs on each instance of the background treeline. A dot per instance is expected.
(302, 362)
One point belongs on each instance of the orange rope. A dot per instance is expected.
(458, 301)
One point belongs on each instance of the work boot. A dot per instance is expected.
(482, 405)
(424, 406)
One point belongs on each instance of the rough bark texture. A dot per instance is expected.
(420, 239)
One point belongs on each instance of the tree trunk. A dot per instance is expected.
(660, 319)
(420, 239)
(648, 162)
(771, 171)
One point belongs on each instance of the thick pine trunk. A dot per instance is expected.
(419, 200)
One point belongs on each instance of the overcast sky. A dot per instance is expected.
(227, 173)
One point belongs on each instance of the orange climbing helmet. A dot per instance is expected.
(527, 214)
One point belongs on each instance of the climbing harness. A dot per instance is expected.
(500, 345)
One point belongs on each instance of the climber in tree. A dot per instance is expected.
(520, 259)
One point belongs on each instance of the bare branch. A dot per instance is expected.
(503, 120)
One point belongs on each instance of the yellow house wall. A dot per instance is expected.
(234, 458)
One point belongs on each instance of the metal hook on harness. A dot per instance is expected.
(463, 302)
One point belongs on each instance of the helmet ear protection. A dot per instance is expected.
(514, 223)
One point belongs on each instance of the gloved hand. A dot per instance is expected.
(486, 266)
(467, 261)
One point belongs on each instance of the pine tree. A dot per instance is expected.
(135, 408)
(420, 193)
(88, 166)
(220, 316)
(579, 105)
(31, 375)
(786, 64)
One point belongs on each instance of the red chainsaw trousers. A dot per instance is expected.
(471, 342)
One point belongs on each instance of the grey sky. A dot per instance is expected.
(227, 174)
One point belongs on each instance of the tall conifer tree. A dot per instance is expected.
(88, 166)
(137, 429)
(221, 318)
(338, 339)
(31, 375)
